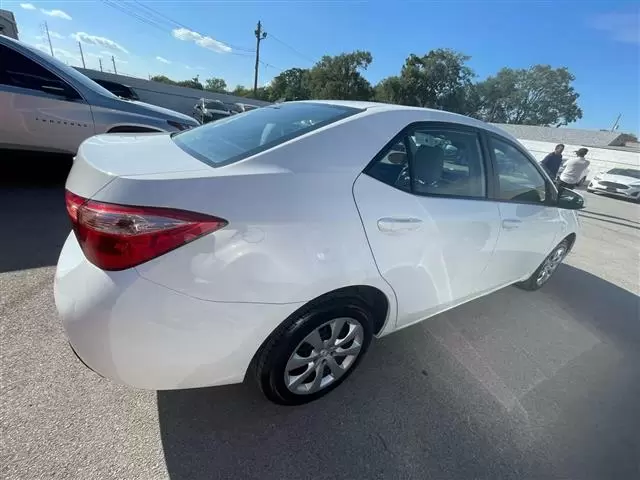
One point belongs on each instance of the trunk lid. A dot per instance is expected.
(102, 158)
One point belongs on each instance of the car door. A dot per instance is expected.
(39, 110)
(531, 223)
(427, 217)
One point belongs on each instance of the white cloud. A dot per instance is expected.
(99, 41)
(163, 60)
(53, 34)
(54, 13)
(27, 6)
(622, 27)
(200, 40)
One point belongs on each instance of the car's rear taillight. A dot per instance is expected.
(117, 237)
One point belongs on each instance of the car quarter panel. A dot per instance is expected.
(147, 336)
(294, 232)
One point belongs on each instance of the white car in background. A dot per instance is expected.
(621, 182)
(279, 242)
(48, 106)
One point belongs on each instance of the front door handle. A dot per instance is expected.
(511, 223)
(395, 224)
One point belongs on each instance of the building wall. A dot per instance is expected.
(179, 99)
(8, 26)
(602, 159)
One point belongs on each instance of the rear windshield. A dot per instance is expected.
(240, 136)
(627, 172)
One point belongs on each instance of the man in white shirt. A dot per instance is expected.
(574, 169)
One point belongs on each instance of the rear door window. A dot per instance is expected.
(240, 136)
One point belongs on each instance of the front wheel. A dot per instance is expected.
(315, 353)
(547, 268)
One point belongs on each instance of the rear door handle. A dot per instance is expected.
(395, 224)
(511, 223)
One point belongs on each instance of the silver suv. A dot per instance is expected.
(48, 106)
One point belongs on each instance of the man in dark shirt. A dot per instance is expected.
(552, 162)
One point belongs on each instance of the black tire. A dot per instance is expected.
(533, 282)
(272, 361)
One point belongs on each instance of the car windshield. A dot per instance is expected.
(240, 136)
(626, 172)
(69, 71)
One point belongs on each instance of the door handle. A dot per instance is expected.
(393, 224)
(511, 223)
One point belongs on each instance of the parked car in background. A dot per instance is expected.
(211, 110)
(621, 182)
(279, 244)
(51, 107)
(207, 110)
(118, 89)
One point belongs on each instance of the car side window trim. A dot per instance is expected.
(551, 191)
(402, 137)
(38, 92)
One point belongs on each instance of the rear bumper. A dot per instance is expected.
(631, 192)
(141, 334)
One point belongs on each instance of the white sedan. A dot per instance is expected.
(621, 182)
(282, 240)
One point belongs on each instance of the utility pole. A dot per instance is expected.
(615, 124)
(81, 55)
(46, 27)
(100, 60)
(113, 61)
(260, 35)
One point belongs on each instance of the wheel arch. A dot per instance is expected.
(374, 298)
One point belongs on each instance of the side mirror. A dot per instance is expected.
(570, 199)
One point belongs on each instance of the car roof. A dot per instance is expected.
(434, 115)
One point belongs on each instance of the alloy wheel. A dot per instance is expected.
(324, 356)
(550, 265)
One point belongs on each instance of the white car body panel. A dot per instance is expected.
(303, 221)
(432, 251)
(528, 233)
(144, 335)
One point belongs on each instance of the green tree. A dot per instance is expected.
(193, 83)
(163, 79)
(340, 77)
(215, 85)
(292, 84)
(440, 79)
(540, 95)
(241, 91)
(390, 90)
(263, 93)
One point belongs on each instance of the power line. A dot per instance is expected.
(298, 52)
(175, 22)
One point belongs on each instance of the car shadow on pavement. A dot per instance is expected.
(32, 209)
(414, 410)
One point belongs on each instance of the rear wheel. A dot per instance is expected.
(315, 353)
(547, 269)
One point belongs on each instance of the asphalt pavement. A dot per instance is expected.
(515, 385)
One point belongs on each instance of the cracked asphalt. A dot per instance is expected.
(514, 385)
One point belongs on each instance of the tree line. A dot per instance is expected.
(440, 79)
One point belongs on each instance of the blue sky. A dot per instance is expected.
(598, 40)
